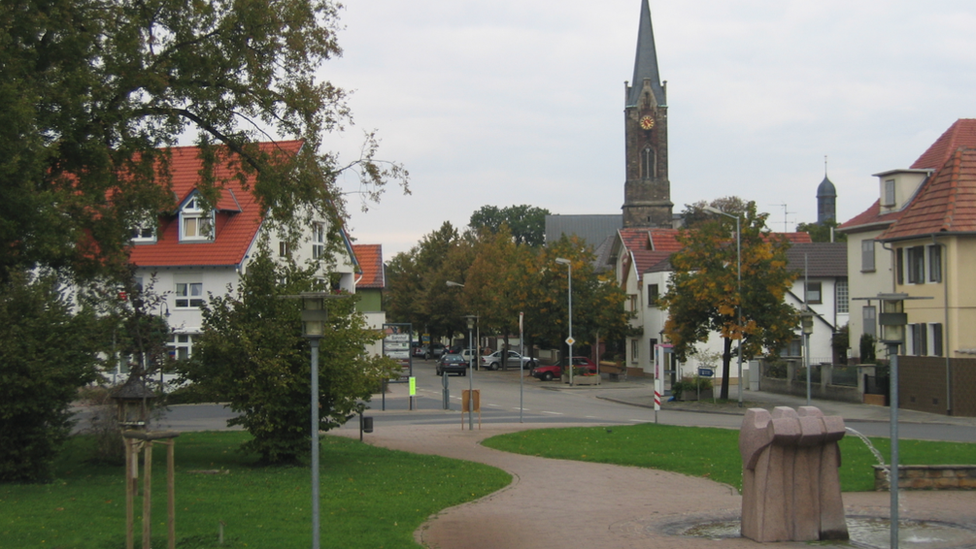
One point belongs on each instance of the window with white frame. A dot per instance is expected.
(181, 346)
(935, 263)
(653, 292)
(283, 249)
(195, 223)
(634, 350)
(936, 340)
(318, 240)
(867, 255)
(189, 295)
(916, 265)
(814, 292)
(889, 193)
(144, 232)
(633, 302)
(842, 296)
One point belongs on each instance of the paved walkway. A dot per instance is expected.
(567, 504)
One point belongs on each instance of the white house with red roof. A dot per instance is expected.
(919, 238)
(641, 260)
(370, 283)
(195, 252)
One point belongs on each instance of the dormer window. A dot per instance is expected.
(889, 193)
(196, 224)
(143, 232)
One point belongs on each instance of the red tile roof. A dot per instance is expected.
(946, 203)
(370, 259)
(961, 134)
(238, 215)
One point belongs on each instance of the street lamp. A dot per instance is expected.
(738, 261)
(445, 382)
(470, 319)
(569, 340)
(806, 322)
(314, 317)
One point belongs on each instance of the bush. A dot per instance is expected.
(692, 384)
(867, 349)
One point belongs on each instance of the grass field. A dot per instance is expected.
(371, 497)
(710, 452)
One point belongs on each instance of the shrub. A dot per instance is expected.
(692, 384)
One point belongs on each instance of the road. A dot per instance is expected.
(537, 402)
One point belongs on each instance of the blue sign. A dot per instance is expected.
(705, 372)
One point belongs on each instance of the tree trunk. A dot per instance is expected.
(726, 368)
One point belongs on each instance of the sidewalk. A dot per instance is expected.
(559, 504)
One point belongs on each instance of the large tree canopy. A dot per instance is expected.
(526, 224)
(704, 296)
(91, 89)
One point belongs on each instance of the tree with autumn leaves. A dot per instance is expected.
(704, 296)
(503, 277)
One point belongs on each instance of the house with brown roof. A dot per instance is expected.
(194, 251)
(640, 258)
(919, 238)
(370, 283)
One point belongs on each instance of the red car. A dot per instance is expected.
(548, 373)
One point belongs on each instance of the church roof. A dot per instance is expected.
(826, 188)
(645, 63)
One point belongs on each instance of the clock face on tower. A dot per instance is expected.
(646, 122)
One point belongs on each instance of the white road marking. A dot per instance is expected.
(553, 413)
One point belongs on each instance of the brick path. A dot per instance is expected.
(567, 504)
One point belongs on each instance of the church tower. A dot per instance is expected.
(647, 191)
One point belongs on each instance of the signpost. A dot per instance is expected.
(661, 353)
(396, 345)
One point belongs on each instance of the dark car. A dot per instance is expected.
(548, 373)
(434, 350)
(452, 364)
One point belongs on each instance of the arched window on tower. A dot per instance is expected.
(648, 163)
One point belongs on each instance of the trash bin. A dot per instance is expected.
(367, 424)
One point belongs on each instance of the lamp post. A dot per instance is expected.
(314, 317)
(470, 319)
(806, 322)
(445, 383)
(738, 261)
(569, 340)
(893, 320)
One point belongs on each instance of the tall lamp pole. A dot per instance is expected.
(470, 319)
(314, 316)
(569, 340)
(738, 261)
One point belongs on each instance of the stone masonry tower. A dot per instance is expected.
(647, 191)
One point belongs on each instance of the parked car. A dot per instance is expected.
(417, 349)
(494, 360)
(434, 350)
(452, 364)
(548, 373)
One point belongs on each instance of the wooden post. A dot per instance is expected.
(134, 441)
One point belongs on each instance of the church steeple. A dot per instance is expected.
(826, 199)
(647, 191)
(645, 62)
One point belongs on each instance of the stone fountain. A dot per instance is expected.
(790, 481)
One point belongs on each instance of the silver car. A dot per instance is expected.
(494, 360)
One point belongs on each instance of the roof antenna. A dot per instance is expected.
(825, 165)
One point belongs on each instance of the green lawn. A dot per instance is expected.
(371, 497)
(710, 452)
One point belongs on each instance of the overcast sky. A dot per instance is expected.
(507, 102)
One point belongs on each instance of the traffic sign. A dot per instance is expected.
(570, 341)
(705, 372)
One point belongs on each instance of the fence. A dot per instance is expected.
(828, 382)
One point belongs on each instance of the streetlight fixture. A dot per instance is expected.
(569, 340)
(470, 319)
(806, 322)
(738, 261)
(893, 320)
(314, 318)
